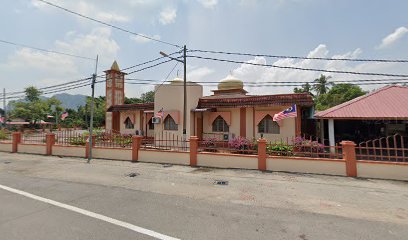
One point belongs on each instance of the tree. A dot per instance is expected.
(147, 97)
(306, 88)
(338, 94)
(32, 94)
(321, 85)
(34, 109)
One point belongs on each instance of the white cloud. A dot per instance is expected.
(86, 8)
(208, 3)
(168, 15)
(49, 69)
(259, 74)
(140, 39)
(198, 74)
(392, 38)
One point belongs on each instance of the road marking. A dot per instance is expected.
(91, 214)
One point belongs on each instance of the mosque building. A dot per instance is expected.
(229, 112)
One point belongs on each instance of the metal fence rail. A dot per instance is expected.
(166, 141)
(70, 137)
(33, 138)
(391, 148)
(113, 139)
(303, 147)
(236, 145)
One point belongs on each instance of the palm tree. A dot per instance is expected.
(321, 84)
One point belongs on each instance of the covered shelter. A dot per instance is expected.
(381, 113)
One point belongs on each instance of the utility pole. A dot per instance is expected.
(92, 110)
(4, 108)
(184, 86)
(185, 93)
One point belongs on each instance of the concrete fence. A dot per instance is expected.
(345, 166)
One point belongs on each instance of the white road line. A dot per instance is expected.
(91, 214)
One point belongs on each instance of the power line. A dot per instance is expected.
(298, 57)
(108, 24)
(45, 50)
(168, 75)
(302, 69)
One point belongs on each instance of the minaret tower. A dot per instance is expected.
(115, 95)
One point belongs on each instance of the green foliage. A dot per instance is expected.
(32, 94)
(279, 148)
(4, 135)
(147, 97)
(338, 94)
(78, 141)
(321, 85)
(306, 88)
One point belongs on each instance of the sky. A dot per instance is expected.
(313, 28)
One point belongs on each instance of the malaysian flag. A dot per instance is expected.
(287, 113)
(160, 113)
(64, 115)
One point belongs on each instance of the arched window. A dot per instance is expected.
(267, 125)
(170, 124)
(220, 125)
(129, 124)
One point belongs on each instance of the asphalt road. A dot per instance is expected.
(183, 203)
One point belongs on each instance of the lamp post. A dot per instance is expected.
(185, 86)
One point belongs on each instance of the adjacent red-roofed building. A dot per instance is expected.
(377, 114)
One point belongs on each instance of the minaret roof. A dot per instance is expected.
(115, 66)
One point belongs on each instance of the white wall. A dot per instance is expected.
(5, 147)
(112, 153)
(330, 167)
(382, 170)
(32, 148)
(170, 98)
(181, 158)
(227, 161)
(68, 151)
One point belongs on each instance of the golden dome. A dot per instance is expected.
(177, 80)
(230, 82)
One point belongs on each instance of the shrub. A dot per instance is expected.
(209, 144)
(79, 141)
(4, 135)
(279, 148)
(240, 143)
(302, 144)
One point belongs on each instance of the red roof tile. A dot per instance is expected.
(390, 102)
(130, 107)
(238, 100)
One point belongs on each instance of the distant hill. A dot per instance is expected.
(71, 101)
(67, 100)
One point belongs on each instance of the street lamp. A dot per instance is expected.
(185, 86)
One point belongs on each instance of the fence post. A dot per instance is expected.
(136, 142)
(16, 136)
(262, 154)
(349, 155)
(193, 150)
(49, 141)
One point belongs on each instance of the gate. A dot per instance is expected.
(391, 148)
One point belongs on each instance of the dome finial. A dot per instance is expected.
(115, 66)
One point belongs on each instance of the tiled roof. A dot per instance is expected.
(130, 107)
(239, 100)
(390, 102)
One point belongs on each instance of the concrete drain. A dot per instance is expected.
(220, 182)
(133, 174)
(167, 165)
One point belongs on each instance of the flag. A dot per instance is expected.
(50, 116)
(160, 113)
(287, 113)
(64, 115)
